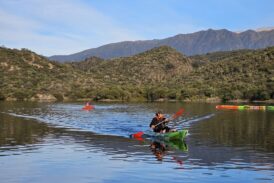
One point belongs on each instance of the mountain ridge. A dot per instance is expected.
(200, 42)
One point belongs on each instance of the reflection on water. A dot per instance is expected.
(42, 142)
(237, 128)
(159, 148)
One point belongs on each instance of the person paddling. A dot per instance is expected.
(88, 103)
(158, 124)
(88, 107)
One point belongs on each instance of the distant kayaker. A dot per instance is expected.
(158, 123)
(88, 107)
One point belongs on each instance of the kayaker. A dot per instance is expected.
(88, 103)
(158, 123)
(88, 107)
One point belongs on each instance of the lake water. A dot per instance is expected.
(59, 142)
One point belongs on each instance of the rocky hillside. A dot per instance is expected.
(243, 74)
(26, 75)
(160, 73)
(156, 66)
(164, 73)
(189, 44)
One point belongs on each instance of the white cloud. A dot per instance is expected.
(57, 27)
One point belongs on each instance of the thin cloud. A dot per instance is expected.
(64, 26)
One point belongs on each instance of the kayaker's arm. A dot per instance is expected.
(164, 121)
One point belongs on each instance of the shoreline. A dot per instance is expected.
(207, 100)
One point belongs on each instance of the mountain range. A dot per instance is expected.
(201, 42)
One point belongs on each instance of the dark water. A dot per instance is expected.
(58, 142)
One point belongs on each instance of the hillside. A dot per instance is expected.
(198, 60)
(243, 74)
(139, 75)
(189, 44)
(159, 73)
(158, 65)
(26, 75)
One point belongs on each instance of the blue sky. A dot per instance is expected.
(51, 27)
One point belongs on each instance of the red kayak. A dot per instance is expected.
(88, 107)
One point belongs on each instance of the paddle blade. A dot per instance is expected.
(138, 135)
(139, 139)
(178, 113)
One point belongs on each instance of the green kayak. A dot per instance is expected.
(178, 135)
(177, 144)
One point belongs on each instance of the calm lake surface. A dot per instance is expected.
(59, 142)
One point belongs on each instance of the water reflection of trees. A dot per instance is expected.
(19, 131)
(240, 128)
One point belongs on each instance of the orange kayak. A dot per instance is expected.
(227, 107)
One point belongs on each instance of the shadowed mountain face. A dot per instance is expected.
(189, 44)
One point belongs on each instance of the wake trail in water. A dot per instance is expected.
(186, 123)
(118, 120)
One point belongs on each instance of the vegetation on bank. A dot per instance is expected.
(160, 73)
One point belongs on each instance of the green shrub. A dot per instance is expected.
(21, 95)
(2, 96)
